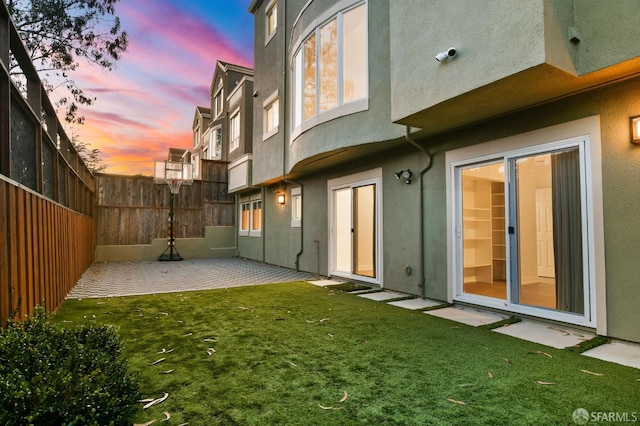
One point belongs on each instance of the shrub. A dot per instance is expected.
(52, 375)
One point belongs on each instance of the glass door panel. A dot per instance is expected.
(364, 256)
(343, 242)
(483, 231)
(548, 241)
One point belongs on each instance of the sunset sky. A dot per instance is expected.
(147, 104)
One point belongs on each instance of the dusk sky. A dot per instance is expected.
(147, 104)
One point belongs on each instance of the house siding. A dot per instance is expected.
(517, 75)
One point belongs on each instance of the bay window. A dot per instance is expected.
(330, 67)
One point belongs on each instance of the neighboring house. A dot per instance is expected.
(201, 139)
(498, 176)
(224, 131)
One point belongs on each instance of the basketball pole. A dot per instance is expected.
(171, 248)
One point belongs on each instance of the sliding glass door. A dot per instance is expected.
(521, 231)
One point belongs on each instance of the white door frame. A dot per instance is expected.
(368, 177)
(567, 134)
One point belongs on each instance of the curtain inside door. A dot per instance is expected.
(567, 231)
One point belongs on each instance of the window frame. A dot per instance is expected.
(296, 219)
(234, 140)
(218, 99)
(272, 7)
(215, 136)
(268, 105)
(297, 69)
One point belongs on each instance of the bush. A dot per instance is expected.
(51, 375)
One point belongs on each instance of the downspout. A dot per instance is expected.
(263, 230)
(427, 166)
(285, 139)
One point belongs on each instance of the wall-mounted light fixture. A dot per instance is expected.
(280, 199)
(634, 127)
(405, 175)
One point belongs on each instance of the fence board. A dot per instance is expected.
(44, 249)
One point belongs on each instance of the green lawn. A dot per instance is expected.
(291, 353)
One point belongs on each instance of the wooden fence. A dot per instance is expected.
(133, 210)
(44, 249)
(47, 233)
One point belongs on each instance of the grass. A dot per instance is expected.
(285, 351)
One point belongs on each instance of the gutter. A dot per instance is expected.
(427, 166)
(285, 138)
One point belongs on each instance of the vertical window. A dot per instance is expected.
(218, 100)
(245, 217)
(215, 144)
(354, 54)
(196, 136)
(272, 19)
(310, 77)
(271, 116)
(256, 217)
(331, 67)
(234, 141)
(296, 207)
(297, 90)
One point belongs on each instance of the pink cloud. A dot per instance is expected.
(146, 104)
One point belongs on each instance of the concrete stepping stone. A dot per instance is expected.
(466, 315)
(559, 337)
(415, 304)
(623, 353)
(382, 295)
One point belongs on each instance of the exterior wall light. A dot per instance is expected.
(405, 175)
(280, 199)
(634, 127)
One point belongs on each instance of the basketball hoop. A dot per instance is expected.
(174, 174)
(174, 185)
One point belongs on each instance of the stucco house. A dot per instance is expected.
(223, 131)
(470, 152)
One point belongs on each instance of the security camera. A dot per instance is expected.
(450, 53)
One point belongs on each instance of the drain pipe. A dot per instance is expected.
(427, 166)
(285, 141)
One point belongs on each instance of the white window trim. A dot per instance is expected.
(295, 193)
(219, 94)
(212, 143)
(256, 232)
(267, 13)
(250, 200)
(266, 104)
(587, 129)
(234, 114)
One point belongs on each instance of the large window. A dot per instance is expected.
(330, 67)
(234, 133)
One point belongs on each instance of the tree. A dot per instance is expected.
(60, 33)
(90, 156)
